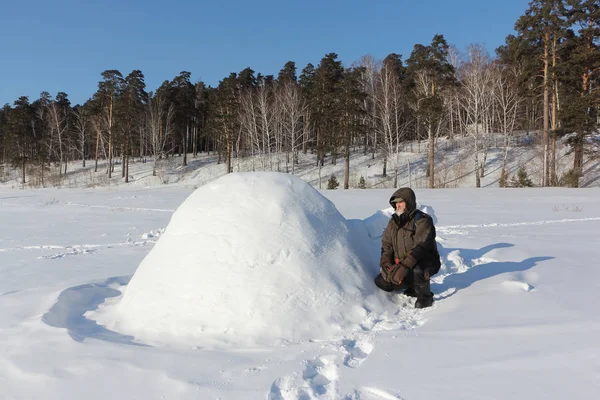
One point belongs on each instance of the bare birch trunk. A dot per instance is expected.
(545, 138)
(431, 156)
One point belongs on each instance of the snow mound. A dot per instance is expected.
(249, 259)
(429, 211)
(376, 223)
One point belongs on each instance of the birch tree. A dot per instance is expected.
(81, 127)
(266, 112)
(475, 82)
(390, 105)
(159, 121)
(294, 108)
(369, 86)
(58, 113)
(508, 101)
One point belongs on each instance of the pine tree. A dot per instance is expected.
(362, 184)
(430, 73)
(19, 135)
(42, 134)
(352, 112)
(287, 73)
(202, 109)
(581, 76)
(543, 25)
(522, 179)
(332, 183)
(393, 62)
(4, 111)
(246, 79)
(226, 102)
(133, 101)
(182, 95)
(306, 82)
(326, 99)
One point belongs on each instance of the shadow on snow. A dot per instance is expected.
(475, 273)
(68, 311)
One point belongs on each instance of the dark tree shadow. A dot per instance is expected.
(73, 303)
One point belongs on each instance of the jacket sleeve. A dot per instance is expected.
(387, 247)
(424, 242)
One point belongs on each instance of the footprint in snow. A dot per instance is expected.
(518, 286)
(70, 252)
(446, 293)
(318, 381)
(284, 388)
(358, 350)
(321, 375)
(371, 393)
(458, 263)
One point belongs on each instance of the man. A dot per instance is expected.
(409, 255)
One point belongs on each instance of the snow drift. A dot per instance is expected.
(250, 259)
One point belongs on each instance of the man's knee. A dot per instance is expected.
(421, 275)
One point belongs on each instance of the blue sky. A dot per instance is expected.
(64, 45)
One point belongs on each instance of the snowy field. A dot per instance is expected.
(515, 315)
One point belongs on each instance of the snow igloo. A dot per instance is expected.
(249, 259)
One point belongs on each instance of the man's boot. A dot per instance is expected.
(409, 282)
(424, 295)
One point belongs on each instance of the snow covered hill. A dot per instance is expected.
(454, 168)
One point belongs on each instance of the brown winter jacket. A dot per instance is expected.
(406, 242)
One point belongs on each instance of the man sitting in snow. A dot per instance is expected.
(409, 255)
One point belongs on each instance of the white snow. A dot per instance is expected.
(242, 261)
(516, 313)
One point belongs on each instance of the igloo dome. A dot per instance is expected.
(249, 259)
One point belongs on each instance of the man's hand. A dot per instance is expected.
(398, 273)
(409, 261)
(386, 270)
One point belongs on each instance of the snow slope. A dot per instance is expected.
(454, 167)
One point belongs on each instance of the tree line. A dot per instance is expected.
(544, 78)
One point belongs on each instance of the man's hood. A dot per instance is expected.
(409, 198)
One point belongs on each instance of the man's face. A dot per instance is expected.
(400, 207)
